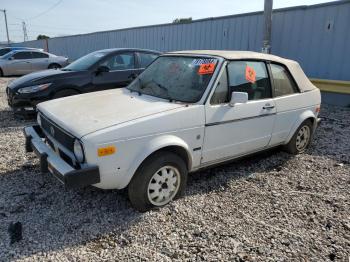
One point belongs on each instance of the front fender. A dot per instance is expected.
(307, 114)
(152, 146)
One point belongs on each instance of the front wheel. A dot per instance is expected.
(160, 179)
(301, 139)
(54, 66)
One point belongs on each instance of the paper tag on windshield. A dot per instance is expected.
(202, 61)
(206, 69)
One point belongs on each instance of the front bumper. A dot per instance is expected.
(51, 162)
(318, 121)
(22, 103)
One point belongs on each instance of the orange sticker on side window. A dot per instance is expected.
(205, 69)
(250, 74)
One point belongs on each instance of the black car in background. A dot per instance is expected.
(100, 70)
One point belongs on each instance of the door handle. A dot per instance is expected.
(268, 106)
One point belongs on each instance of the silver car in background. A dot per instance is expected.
(21, 62)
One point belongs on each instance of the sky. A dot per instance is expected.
(69, 17)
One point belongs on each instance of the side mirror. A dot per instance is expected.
(238, 98)
(11, 58)
(102, 69)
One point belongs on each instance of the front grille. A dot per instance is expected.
(66, 158)
(57, 133)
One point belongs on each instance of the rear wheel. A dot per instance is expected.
(301, 139)
(54, 66)
(160, 179)
(64, 93)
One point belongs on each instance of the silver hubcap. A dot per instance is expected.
(303, 138)
(163, 185)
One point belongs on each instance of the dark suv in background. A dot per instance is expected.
(100, 70)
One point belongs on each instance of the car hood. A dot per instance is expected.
(41, 77)
(83, 114)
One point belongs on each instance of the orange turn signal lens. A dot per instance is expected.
(318, 109)
(105, 151)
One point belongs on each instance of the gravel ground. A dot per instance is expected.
(270, 207)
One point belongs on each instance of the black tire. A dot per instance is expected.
(64, 93)
(295, 146)
(54, 66)
(138, 189)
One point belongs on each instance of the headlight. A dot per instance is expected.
(38, 119)
(33, 89)
(78, 151)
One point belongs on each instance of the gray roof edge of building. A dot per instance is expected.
(301, 7)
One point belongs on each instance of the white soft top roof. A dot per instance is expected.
(293, 66)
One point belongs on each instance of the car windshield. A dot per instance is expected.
(4, 51)
(85, 62)
(176, 78)
(8, 55)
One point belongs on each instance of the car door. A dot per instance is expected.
(19, 63)
(122, 70)
(288, 101)
(231, 131)
(39, 61)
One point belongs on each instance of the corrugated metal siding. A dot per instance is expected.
(299, 33)
(302, 34)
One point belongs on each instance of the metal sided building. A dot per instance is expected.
(317, 36)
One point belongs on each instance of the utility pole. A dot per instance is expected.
(267, 26)
(25, 35)
(7, 30)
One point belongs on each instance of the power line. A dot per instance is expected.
(44, 12)
(54, 27)
(45, 30)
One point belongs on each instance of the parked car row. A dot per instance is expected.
(186, 111)
(6, 50)
(20, 61)
(100, 70)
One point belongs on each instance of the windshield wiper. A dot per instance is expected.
(158, 85)
(146, 85)
(165, 89)
(139, 80)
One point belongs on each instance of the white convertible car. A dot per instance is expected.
(187, 111)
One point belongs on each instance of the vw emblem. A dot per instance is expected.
(52, 131)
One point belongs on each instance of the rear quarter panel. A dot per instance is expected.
(292, 110)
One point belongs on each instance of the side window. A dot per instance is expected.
(124, 61)
(220, 95)
(22, 55)
(282, 81)
(250, 77)
(39, 55)
(146, 59)
(4, 51)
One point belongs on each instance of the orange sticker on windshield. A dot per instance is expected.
(205, 69)
(250, 74)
